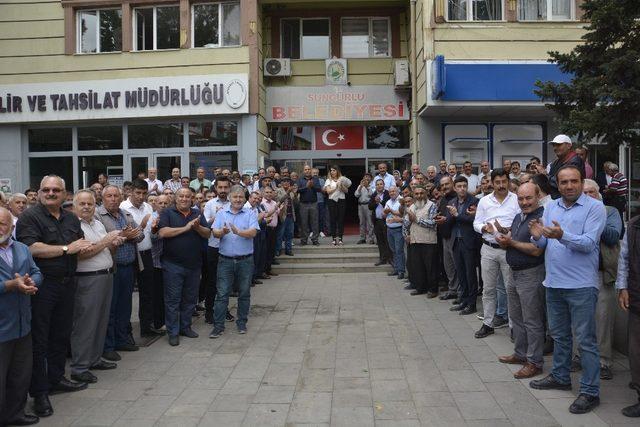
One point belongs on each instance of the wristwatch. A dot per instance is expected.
(65, 249)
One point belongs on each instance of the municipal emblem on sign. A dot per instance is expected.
(336, 71)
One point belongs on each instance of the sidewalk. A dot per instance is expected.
(344, 350)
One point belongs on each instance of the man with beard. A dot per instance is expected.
(570, 231)
(444, 232)
(19, 278)
(54, 238)
(423, 240)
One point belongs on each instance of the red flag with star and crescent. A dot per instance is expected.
(339, 137)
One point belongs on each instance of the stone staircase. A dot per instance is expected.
(329, 259)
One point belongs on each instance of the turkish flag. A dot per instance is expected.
(339, 137)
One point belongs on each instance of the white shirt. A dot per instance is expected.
(389, 181)
(94, 232)
(15, 220)
(152, 183)
(211, 208)
(482, 175)
(138, 214)
(331, 184)
(490, 209)
(473, 181)
(394, 205)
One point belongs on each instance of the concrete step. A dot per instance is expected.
(329, 257)
(351, 267)
(327, 246)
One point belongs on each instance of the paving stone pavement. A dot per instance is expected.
(340, 350)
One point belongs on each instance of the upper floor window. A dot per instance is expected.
(99, 30)
(366, 37)
(545, 10)
(156, 27)
(216, 24)
(305, 38)
(480, 10)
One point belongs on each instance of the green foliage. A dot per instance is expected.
(603, 98)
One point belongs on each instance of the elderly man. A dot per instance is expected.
(389, 180)
(442, 165)
(423, 239)
(525, 293)
(114, 218)
(236, 227)
(565, 156)
(376, 205)
(162, 203)
(447, 241)
(308, 188)
(616, 192)
(19, 278)
(200, 181)
(55, 238)
(93, 296)
(175, 183)
(181, 232)
(17, 204)
(154, 184)
(393, 219)
(570, 231)
(431, 176)
(363, 195)
(96, 187)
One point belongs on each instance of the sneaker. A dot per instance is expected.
(605, 373)
(321, 234)
(242, 330)
(484, 331)
(499, 322)
(340, 242)
(216, 333)
(584, 403)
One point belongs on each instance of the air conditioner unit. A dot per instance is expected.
(401, 73)
(277, 67)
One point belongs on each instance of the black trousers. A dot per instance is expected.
(212, 288)
(466, 261)
(158, 308)
(52, 319)
(270, 248)
(380, 230)
(148, 294)
(424, 270)
(204, 277)
(16, 362)
(336, 217)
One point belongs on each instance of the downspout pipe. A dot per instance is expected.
(414, 88)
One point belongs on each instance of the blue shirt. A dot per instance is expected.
(389, 181)
(231, 244)
(572, 261)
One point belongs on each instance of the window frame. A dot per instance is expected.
(78, 12)
(370, 20)
(470, 13)
(572, 13)
(220, 24)
(300, 27)
(134, 36)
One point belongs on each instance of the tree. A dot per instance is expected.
(602, 100)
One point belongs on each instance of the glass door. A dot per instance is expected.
(165, 163)
(138, 165)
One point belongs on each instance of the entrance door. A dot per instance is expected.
(164, 162)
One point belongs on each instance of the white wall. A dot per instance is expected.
(248, 144)
(11, 158)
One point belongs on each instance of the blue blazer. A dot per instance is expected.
(15, 307)
(464, 222)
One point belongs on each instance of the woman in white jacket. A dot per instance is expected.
(336, 187)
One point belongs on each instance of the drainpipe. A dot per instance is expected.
(414, 89)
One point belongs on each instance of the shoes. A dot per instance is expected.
(549, 383)
(66, 386)
(242, 330)
(484, 331)
(417, 292)
(448, 296)
(199, 307)
(371, 242)
(548, 346)
(512, 359)
(303, 243)
(527, 371)
(576, 364)
(189, 333)
(432, 295)
(229, 317)
(174, 340)
(335, 242)
(480, 316)
(322, 234)
(584, 403)
(84, 377)
(256, 282)
(632, 411)
(216, 333)
(400, 276)
(605, 373)
(151, 333)
(209, 319)
(24, 420)
(456, 301)
(361, 242)
(103, 366)
(127, 347)
(379, 263)
(409, 287)
(392, 273)
(457, 307)
(264, 276)
(340, 242)
(499, 322)
(42, 406)
(468, 310)
(289, 253)
(316, 243)
(272, 274)
(113, 356)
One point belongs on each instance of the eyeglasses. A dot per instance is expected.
(51, 190)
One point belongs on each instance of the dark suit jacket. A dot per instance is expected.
(373, 204)
(464, 222)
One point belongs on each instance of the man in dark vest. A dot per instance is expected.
(628, 286)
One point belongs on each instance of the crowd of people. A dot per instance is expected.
(545, 249)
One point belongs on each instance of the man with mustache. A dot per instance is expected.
(423, 241)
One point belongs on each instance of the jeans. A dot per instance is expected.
(120, 313)
(493, 262)
(230, 270)
(285, 234)
(336, 217)
(212, 271)
(574, 309)
(180, 296)
(502, 305)
(396, 244)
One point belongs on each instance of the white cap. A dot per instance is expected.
(561, 139)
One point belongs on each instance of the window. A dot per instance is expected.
(206, 30)
(212, 134)
(99, 30)
(157, 27)
(155, 136)
(393, 136)
(306, 38)
(41, 166)
(481, 10)
(211, 160)
(536, 10)
(57, 139)
(365, 37)
(287, 138)
(100, 138)
(89, 167)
